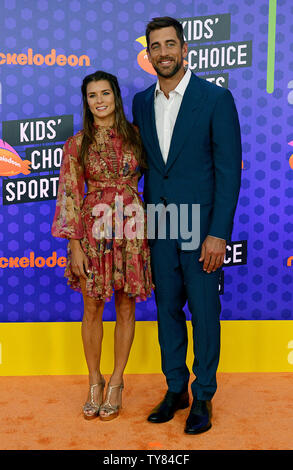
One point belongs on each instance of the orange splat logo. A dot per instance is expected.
(142, 58)
(291, 158)
(10, 162)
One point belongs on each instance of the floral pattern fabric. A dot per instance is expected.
(115, 261)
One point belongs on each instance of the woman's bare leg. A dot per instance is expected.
(92, 335)
(123, 339)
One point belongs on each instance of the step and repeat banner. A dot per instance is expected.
(48, 47)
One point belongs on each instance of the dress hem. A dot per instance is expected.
(138, 297)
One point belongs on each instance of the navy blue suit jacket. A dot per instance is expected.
(204, 160)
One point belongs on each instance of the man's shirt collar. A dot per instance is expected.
(181, 87)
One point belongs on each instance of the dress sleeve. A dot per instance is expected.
(67, 221)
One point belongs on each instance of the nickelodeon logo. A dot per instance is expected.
(32, 262)
(38, 59)
(289, 261)
(10, 162)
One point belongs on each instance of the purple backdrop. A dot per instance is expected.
(37, 84)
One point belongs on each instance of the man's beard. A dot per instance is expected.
(169, 73)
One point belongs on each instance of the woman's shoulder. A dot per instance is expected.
(76, 137)
(74, 140)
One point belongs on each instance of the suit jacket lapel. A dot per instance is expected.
(150, 126)
(189, 112)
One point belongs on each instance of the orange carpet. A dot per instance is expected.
(250, 411)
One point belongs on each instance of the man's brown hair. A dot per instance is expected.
(164, 22)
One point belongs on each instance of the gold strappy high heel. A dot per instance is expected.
(111, 410)
(91, 408)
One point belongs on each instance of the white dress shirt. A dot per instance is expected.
(166, 111)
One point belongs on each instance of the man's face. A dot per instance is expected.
(165, 52)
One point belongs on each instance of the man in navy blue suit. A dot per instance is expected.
(191, 134)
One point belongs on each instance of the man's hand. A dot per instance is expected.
(213, 252)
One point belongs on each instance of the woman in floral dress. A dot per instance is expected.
(107, 250)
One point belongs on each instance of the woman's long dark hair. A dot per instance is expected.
(131, 138)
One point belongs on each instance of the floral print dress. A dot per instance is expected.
(119, 259)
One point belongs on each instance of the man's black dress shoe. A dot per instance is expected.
(165, 410)
(199, 419)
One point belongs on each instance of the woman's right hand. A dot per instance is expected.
(79, 261)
